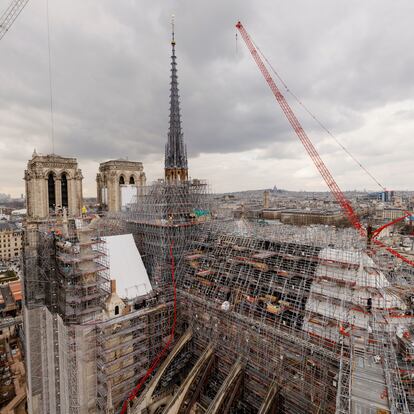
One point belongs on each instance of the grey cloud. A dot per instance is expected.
(111, 77)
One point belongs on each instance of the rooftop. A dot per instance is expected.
(125, 164)
(8, 226)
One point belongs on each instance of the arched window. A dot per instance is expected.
(51, 190)
(64, 188)
(121, 180)
(116, 310)
(132, 180)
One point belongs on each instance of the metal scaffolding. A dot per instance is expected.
(300, 308)
(66, 282)
(275, 317)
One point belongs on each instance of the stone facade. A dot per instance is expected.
(113, 177)
(52, 183)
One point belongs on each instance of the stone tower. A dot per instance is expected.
(118, 182)
(266, 199)
(52, 183)
(176, 167)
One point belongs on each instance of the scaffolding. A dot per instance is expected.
(167, 215)
(164, 218)
(66, 283)
(298, 320)
(124, 348)
(66, 269)
(300, 308)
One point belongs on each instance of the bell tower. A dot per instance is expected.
(52, 183)
(119, 183)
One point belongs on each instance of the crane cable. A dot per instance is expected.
(52, 119)
(407, 214)
(310, 113)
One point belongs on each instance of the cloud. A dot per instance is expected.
(348, 61)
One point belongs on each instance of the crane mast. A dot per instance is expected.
(10, 15)
(313, 153)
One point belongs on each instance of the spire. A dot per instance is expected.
(175, 150)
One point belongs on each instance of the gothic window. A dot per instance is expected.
(64, 187)
(132, 180)
(116, 310)
(51, 190)
(121, 180)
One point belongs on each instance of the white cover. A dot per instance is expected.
(126, 267)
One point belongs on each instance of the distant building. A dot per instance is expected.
(313, 216)
(4, 197)
(10, 297)
(118, 182)
(390, 213)
(384, 196)
(6, 210)
(19, 213)
(52, 183)
(303, 217)
(12, 370)
(250, 213)
(10, 241)
(397, 201)
(272, 213)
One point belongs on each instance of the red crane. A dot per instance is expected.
(310, 148)
(10, 15)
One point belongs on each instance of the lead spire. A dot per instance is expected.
(176, 168)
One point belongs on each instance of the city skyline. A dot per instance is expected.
(110, 82)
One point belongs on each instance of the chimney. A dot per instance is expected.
(113, 286)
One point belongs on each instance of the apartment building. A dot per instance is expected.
(10, 241)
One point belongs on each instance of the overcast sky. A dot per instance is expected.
(350, 61)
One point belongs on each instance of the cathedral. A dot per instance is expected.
(159, 305)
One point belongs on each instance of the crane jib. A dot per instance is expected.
(310, 148)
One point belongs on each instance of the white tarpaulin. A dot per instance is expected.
(126, 267)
